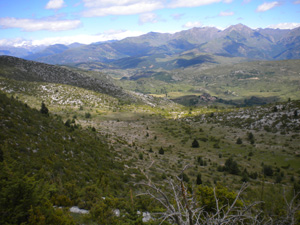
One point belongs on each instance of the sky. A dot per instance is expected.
(47, 22)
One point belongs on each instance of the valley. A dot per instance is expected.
(145, 134)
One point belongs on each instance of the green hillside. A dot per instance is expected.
(65, 146)
(235, 84)
(23, 70)
(45, 162)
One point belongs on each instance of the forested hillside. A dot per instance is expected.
(45, 163)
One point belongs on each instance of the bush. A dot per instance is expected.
(231, 166)
(239, 141)
(267, 170)
(87, 115)
(199, 180)
(161, 151)
(141, 156)
(44, 109)
(253, 175)
(195, 144)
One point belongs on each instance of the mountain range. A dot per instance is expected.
(235, 41)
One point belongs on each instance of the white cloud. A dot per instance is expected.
(297, 2)
(192, 24)
(35, 25)
(148, 18)
(194, 3)
(136, 8)
(226, 13)
(12, 42)
(285, 26)
(120, 7)
(107, 3)
(129, 7)
(55, 4)
(84, 39)
(266, 6)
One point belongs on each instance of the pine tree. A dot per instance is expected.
(239, 141)
(44, 109)
(231, 166)
(195, 144)
(161, 151)
(199, 180)
(251, 138)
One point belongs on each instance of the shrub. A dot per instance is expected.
(141, 156)
(267, 170)
(44, 109)
(195, 144)
(87, 115)
(161, 151)
(199, 180)
(239, 141)
(231, 166)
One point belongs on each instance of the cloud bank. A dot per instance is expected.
(37, 25)
(285, 26)
(66, 40)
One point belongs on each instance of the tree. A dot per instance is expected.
(251, 138)
(239, 141)
(44, 109)
(267, 170)
(231, 166)
(245, 176)
(161, 151)
(141, 156)
(195, 144)
(199, 180)
(68, 123)
(201, 161)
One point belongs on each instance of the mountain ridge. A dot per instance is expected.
(31, 71)
(237, 40)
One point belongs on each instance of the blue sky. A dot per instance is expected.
(47, 22)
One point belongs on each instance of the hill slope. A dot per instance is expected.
(19, 69)
(44, 163)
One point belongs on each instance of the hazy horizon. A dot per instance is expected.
(88, 21)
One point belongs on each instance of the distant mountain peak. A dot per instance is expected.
(239, 27)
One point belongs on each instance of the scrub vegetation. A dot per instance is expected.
(65, 145)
